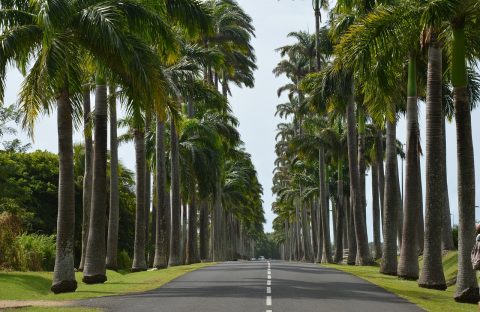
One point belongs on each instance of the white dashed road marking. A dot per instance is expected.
(269, 283)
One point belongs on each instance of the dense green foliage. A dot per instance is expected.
(29, 183)
(267, 246)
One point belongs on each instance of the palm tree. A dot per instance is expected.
(408, 266)
(464, 13)
(87, 177)
(360, 230)
(432, 272)
(113, 219)
(447, 237)
(162, 238)
(376, 205)
(94, 270)
(139, 261)
(175, 256)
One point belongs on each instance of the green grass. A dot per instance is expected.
(36, 285)
(430, 300)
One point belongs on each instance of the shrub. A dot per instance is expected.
(38, 251)
(10, 228)
(124, 260)
(24, 252)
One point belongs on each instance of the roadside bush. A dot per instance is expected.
(37, 251)
(455, 236)
(24, 252)
(10, 228)
(124, 260)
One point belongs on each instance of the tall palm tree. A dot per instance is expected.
(95, 270)
(87, 177)
(377, 246)
(465, 14)
(432, 272)
(408, 265)
(139, 261)
(113, 219)
(162, 239)
(175, 256)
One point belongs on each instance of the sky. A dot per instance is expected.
(255, 108)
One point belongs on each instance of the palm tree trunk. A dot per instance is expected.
(420, 223)
(162, 239)
(175, 252)
(381, 172)
(408, 265)
(297, 231)
(399, 209)
(432, 275)
(346, 209)
(95, 267)
(467, 285)
(363, 253)
(204, 224)
(307, 235)
(334, 221)
(87, 177)
(112, 240)
(340, 216)
(139, 261)
(361, 161)
(64, 274)
(352, 242)
(377, 244)
(390, 215)
(153, 231)
(327, 252)
(318, 217)
(184, 246)
(192, 226)
(148, 187)
(313, 217)
(447, 237)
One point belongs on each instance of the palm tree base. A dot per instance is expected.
(160, 267)
(368, 262)
(433, 286)
(391, 273)
(64, 287)
(134, 270)
(408, 277)
(112, 267)
(94, 279)
(469, 295)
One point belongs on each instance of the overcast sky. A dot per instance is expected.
(255, 107)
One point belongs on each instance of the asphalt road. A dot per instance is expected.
(245, 286)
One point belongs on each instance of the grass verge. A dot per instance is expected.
(36, 285)
(50, 309)
(430, 300)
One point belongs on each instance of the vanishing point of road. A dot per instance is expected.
(260, 286)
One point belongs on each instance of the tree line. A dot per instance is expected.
(170, 65)
(373, 62)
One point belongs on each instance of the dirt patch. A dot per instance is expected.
(4, 304)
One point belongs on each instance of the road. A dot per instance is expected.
(261, 287)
